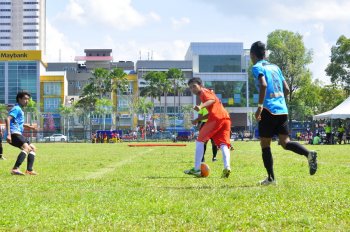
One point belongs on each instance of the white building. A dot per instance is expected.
(22, 25)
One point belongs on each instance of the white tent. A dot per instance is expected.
(342, 111)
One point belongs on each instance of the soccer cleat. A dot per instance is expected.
(312, 158)
(226, 173)
(17, 172)
(32, 173)
(194, 172)
(2, 158)
(267, 182)
(214, 159)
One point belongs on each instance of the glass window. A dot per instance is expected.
(22, 75)
(51, 104)
(52, 88)
(220, 63)
(231, 93)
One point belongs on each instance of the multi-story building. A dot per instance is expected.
(223, 68)
(173, 102)
(78, 74)
(22, 25)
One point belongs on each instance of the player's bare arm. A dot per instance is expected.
(7, 122)
(262, 94)
(205, 104)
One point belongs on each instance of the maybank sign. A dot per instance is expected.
(11, 55)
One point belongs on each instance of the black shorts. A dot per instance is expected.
(271, 125)
(18, 140)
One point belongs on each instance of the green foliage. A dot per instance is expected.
(3, 111)
(287, 50)
(103, 83)
(339, 68)
(112, 187)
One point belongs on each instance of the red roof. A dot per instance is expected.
(93, 58)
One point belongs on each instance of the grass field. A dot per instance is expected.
(112, 187)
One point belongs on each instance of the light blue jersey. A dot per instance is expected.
(274, 99)
(17, 122)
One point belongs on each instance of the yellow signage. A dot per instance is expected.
(19, 55)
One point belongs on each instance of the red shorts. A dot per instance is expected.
(219, 131)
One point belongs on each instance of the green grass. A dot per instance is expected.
(112, 187)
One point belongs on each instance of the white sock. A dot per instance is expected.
(32, 152)
(198, 155)
(225, 156)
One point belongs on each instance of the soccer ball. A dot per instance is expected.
(205, 170)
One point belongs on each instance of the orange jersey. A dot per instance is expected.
(216, 110)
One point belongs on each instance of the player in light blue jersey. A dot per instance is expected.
(15, 127)
(272, 112)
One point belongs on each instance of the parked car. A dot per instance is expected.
(56, 138)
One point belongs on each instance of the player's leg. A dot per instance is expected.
(266, 132)
(205, 134)
(1, 151)
(222, 138)
(295, 146)
(30, 160)
(19, 141)
(214, 149)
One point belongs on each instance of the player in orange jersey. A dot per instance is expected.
(217, 127)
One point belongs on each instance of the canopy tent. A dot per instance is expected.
(342, 111)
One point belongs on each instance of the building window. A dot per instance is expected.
(31, 9)
(5, 9)
(5, 37)
(31, 30)
(5, 44)
(5, 17)
(5, 30)
(7, 24)
(5, 3)
(219, 63)
(51, 104)
(52, 88)
(30, 44)
(230, 93)
(30, 16)
(30, 37)
(30, 23)
(30, 3)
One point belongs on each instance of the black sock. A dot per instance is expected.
(205, 148)
(20, 159)
(215, 150)
(268, 162)
(30, 161)
(297, 148)
(1, 150)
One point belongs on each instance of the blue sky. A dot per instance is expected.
(164, 29)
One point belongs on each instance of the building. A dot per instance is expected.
(78, 74)
(173, 102)
(20, 70)
(223, 68)
(22, 25)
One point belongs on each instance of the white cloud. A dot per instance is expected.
(73, 11)
(177, 23)
(154, 16)
(117, 14)
(58, 46)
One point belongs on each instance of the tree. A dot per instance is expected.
(32, 111)
(3, 112)
(188, 116)
(144, 107)
(339, 68)
(66, 112)
(103, 107)
(287, 50)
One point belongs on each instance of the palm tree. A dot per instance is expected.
(144, 108)
(103, 107)
(66, 111)
(177, 79)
